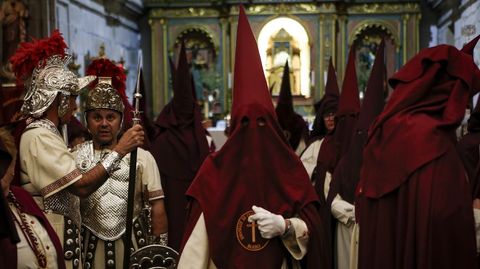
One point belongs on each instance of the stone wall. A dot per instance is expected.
(87, 24)
(467, 26)
(457, 23)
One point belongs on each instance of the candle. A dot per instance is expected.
(229, 80)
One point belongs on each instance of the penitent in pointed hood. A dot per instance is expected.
(182, 87)
(374, 100)
(470, 46)
(328, 103)
(249, 86)
(349, 100)
(348, 107)
(332, 93)
(180, 145)
(347, 172)
(285, 101)
(293, 124)
(254, 160)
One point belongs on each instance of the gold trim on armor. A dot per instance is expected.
(153, 195)
(61, 182)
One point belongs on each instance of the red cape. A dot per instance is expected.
(8, 255)
(421, 109)
(413, 203)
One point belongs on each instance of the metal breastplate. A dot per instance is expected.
(104, 211)
(62, 202)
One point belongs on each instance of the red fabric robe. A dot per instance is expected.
(413, 203)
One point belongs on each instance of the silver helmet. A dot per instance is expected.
(104, 96)
(49, 78)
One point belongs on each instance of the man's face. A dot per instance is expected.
(72, 107)
(104, 125)
(329, 121)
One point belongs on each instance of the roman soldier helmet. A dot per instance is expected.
(108, 91)
(41, 67)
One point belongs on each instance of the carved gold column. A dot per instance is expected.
(321, 70)
(225, 61)
(405, 18)
(334, 40)
(157, 96)
(342, 20)
(327, 48)
(233, 37)
(416, 24)
(163, 22)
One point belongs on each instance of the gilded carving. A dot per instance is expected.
(184, 12)
(287, 9)
(379, 8)
(333, 33)
(212, 35)
(390, 29)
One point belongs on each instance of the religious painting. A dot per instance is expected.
(366, 45)
(202, 55)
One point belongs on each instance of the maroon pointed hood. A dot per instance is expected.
(347, 172)
(149, 127)
(348, 108)
(468, 49)
(180, 145)
(374, 100)
(182, 88)
(172, 70)
(238, 174)
(285, 101)
(470, 46)
(349, 100)
(431, 94)
(328, 103)
(251, 79)
(467, 146)
(295, 126)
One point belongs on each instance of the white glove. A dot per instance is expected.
(343, 211)
(269, 224)
(476, 215)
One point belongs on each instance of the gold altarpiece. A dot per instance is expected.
(330, 30)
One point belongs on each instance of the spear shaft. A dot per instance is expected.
(132, 175)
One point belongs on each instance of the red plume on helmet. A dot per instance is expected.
(31, 54)
(105, 68)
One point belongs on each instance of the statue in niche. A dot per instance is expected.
(13, 15)
(282, 47)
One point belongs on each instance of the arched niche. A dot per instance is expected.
(280, 39)
(202, 51)
(366, 37)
